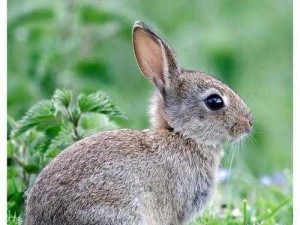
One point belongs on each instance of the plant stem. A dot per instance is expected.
(276, 209)
(245, 211)
(76, 134)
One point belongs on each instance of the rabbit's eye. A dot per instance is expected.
(214, 102)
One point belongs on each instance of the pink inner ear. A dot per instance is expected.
(149, 55)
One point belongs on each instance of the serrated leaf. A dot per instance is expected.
(63, 139)
(40, 113)
(33, 138)
(91, 123)
(74, 113)
(98, 102)
(41, 146)
(51, 132)
(61, 101)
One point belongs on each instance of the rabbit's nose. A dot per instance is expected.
(248, 129)
(249, 123)
(250, 119)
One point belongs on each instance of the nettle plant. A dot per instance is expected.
(46, 129)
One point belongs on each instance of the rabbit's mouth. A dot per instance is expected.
(239, 131)
(236, 139)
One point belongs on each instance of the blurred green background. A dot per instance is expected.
(86, 46)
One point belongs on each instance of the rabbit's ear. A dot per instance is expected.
(156, 59)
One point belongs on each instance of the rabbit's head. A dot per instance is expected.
(191, 103)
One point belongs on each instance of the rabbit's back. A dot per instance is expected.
(89, 173)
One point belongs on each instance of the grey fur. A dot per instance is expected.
(161, 176)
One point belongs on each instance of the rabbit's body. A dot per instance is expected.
(161, 176)
(147, 177)
(125, 173)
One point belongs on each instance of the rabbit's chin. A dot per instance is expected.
(238, 138)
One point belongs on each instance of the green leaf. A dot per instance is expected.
(62, 140)
(11, 172)
(74, 114)
(15, 185)
(10, 149)
(51, 132)
(98, 102)
(40, 113)
(53, 153)
(61, 101)
(41, 146)
(31, 168)
(91, 123)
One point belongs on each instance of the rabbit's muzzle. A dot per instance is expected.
(242, 127)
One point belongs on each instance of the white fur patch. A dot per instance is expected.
(209, 92)
(212, 91)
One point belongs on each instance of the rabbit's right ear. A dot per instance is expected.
(156, 59)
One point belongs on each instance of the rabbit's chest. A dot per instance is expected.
(198, 191)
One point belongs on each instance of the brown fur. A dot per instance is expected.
(161, 176)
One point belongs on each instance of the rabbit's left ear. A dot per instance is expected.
(155, 58)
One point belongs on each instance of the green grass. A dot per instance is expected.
(13, 219)
(248, 201)
(266, 205)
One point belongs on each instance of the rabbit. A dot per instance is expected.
(164, 175)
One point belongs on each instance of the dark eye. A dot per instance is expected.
(214, 102)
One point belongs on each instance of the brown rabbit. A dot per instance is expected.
(165, 175)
